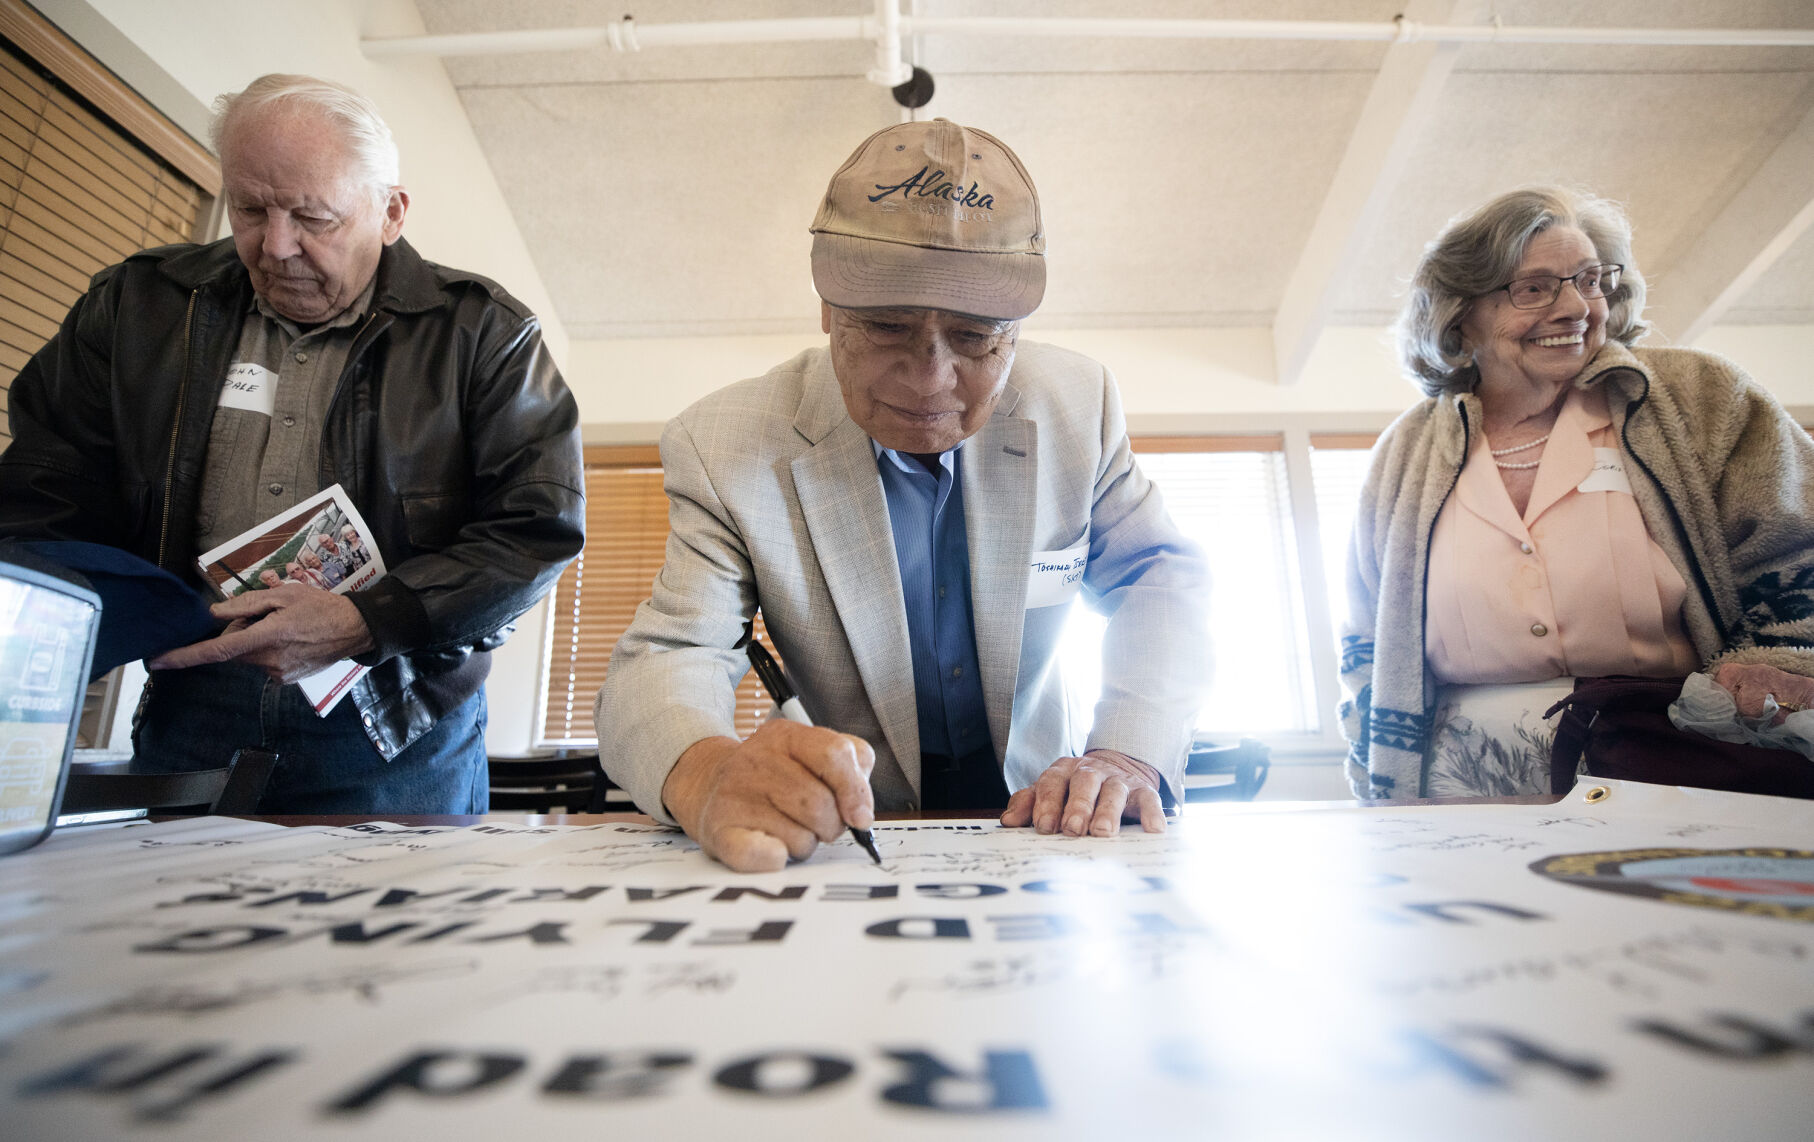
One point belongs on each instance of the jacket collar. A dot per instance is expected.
(1615, 367)
(406, 283)
(1618, 368)
(822, 404)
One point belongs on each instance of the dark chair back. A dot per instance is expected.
(1226, 772)
(547, 785)
(235, 788)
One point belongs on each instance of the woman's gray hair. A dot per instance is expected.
(367, 136)
(1480, 252)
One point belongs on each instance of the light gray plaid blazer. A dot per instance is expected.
(775, 502)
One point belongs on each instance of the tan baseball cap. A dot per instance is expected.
(931, 215)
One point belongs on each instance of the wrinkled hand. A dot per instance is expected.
(1749, 684)
(755, 803)
(289, 632)
(1093, 793)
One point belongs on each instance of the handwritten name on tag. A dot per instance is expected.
(250, 387)
(1054, 576)
(1608, 474)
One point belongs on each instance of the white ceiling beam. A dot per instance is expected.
(1398, 108)
(1766, 216)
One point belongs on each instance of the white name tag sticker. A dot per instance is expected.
(249, 387)
(1608, 474)
(1054, 576)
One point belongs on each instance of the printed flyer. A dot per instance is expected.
(319, 543)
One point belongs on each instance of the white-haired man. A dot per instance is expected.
(913, 526)
(196, 391)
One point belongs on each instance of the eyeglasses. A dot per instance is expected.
(1540, 290)
(898, 328)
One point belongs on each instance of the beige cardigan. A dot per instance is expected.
(1723, 478)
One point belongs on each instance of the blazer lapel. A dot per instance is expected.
(841, 497)
(1001, 468)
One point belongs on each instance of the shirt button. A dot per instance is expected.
(957, 672)
(275, 489)
(302, 358)
(1539, 629)
(367, 719)
(289, 422)
(1525, 547)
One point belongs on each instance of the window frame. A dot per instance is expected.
(1295, 439)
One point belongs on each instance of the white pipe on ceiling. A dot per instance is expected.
(890, 69)
(888, 26)
(625, 35)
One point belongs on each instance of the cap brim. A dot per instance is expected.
(859, 273)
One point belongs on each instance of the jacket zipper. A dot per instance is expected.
(163, 534)
(325, 464)
(1423, 622)
(1675, 517)
(176, 428)
(1430, 536)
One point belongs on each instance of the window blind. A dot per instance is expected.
(77, 194)
(597, 596)
(1229, 495)
(1338, 468)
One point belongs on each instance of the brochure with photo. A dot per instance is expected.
(319, 543)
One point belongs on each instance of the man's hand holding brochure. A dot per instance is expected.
(284, 584)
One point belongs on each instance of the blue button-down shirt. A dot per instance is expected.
(926, 513)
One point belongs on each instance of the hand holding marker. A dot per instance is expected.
(776, 683)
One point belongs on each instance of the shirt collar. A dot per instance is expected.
(352, 313)
(946, 459)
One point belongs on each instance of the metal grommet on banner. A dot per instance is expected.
(1597, 793)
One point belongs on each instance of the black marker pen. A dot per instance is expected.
(776, 683)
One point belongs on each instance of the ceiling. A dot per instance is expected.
(668, 192)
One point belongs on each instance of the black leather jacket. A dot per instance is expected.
(450, 429)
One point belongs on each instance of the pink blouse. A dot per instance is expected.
(1574, 588)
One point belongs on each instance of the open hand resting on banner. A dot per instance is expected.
(755, 803)
(289, 631)
(1089, 794)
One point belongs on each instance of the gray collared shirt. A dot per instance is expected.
(265, 444)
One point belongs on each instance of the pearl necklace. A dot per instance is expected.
(1497, 452)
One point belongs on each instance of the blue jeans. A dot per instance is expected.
(197, 718)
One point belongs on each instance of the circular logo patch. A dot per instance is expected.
(1757, 882)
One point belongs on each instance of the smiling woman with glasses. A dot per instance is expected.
(1563, 505)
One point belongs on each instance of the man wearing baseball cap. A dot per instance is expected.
(912, 509)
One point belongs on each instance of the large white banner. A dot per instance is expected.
(1638, 966)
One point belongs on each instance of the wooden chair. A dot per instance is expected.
(235, 788)
(1226, 772)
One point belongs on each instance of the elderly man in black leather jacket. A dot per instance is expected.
(441, 415)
